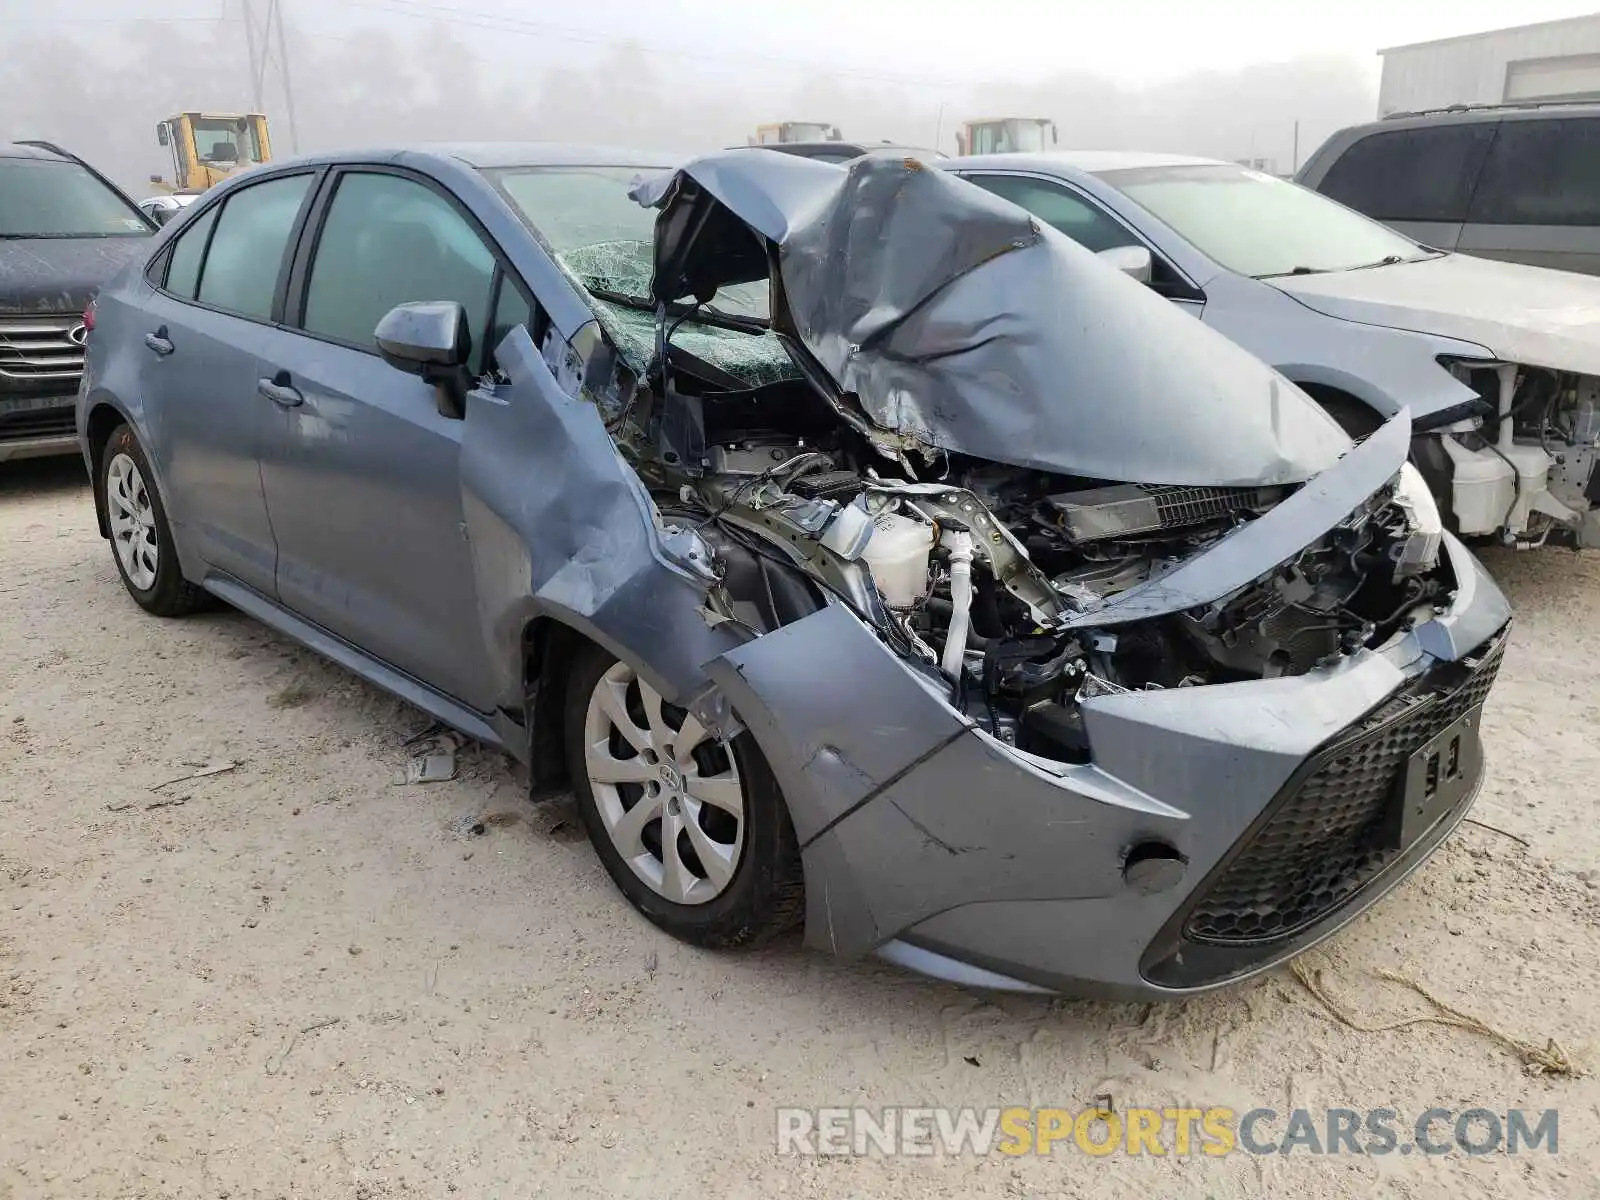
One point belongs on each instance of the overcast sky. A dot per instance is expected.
(1257, 79)
(1132, 41)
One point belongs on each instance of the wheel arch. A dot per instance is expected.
(548, 647)
(1356, 416)
(103, 420)
(764, 596)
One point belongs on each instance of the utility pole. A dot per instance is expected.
(275, 10)
(258, 41)
(258, 64)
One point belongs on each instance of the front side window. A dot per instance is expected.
(1084, 223)
(387, 241)
(1411, 174)
(242, 265)
(50, 198)
(1544, 172)
(1260, 225)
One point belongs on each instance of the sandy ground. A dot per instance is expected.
(504, 1025)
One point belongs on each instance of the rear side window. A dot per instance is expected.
(1411, 174)
(1541, 173)
(1081, 221)
(188, 249)
(241, 267)
(389, 240)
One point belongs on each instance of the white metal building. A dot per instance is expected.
(1553, 60)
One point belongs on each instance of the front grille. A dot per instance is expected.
(41, 351)
(1323, 839)
(1180, 507)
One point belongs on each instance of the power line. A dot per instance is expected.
(500, 23)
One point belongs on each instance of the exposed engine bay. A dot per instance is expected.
(1522, 462)
(986, 576)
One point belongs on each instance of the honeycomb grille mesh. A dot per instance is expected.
(1179, 507)
(1322, 843)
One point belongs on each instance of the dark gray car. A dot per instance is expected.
(64, 230)
(858, 549)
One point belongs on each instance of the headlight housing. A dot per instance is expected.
(1420, 550)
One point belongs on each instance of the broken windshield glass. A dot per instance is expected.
(603, 240)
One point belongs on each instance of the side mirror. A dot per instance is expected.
(161, 215)
(162, 136)
(431, 339)
(1133, 261)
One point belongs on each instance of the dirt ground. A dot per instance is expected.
(307, 979)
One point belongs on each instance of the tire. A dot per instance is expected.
(748, 887)
(141, 539)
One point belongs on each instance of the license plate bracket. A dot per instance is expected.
(1439, 775)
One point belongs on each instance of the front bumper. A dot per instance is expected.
(930, 843)
(37, 426)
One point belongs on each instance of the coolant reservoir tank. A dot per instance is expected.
(897, 554)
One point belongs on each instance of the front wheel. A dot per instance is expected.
(693, 830)
(141, 539)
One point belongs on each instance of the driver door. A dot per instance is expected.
(361, 470)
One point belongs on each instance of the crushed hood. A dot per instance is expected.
(59, 275)
(950, 317)
(1522, 314)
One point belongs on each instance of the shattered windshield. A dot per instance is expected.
(602, 237)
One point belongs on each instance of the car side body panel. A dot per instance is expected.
(562, 528)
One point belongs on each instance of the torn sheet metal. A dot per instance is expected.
(953, 318)
(1255, 549)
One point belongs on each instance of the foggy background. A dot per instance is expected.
(1228, 79)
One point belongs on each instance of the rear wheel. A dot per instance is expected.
(692, 829)
(141, 540)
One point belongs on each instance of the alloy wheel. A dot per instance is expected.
(668, 793)
(133, 521)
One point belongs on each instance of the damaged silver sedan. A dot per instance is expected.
(858, 550)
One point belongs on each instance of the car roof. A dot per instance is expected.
(848, 144)
(1473, 114)
(1090, 162)
(18, 150)
(490, 155)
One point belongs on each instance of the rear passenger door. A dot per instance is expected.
(1419, 181)
(361, 470)
(1538, 201)
(219, 286)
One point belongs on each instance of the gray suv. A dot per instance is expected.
(64, 230)
(1517, 182)
(859, 550)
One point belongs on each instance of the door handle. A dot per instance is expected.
(280, 391)
(159, 342)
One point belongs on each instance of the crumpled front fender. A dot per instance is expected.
(561, 527)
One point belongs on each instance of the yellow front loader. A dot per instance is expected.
(208, 147)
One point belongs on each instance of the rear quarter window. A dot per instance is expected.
(1411, 174)
(188, 249)
(1544, 172)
